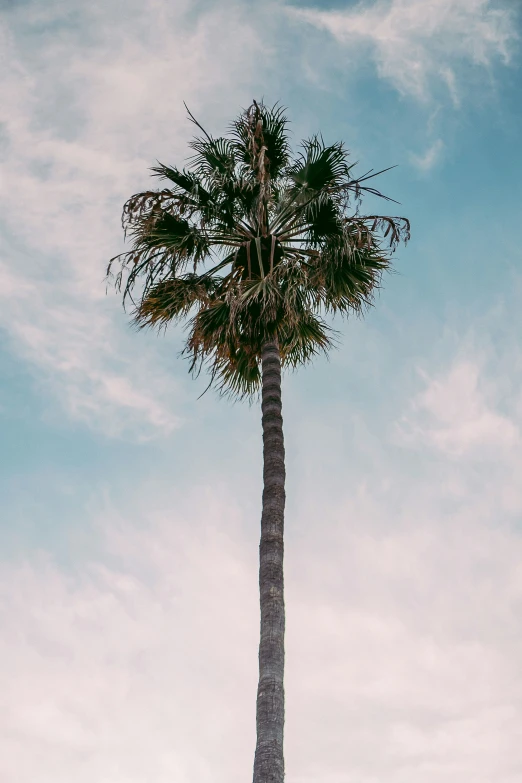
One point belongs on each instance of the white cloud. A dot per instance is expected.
(416, 42)
(86, 112)
(467, 423)
(454, 414)
(430, 158)
(75, 342)
(123, 670)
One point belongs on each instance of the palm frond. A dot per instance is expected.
(318, 166)
(301, 343)
(186, 181)
(274, 124)
(323, 221)
(214, 158)
(173, 233)
(172, 299)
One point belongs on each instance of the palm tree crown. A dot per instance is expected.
(252, 244)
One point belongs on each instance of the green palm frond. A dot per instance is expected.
(323, 221)
(185, 181)
(173, 298)
(302, 343)
(274, 241)
(319, 167)
(214, 158)
(176, 234)
(275, 138)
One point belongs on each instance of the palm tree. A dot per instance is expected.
(256, 247)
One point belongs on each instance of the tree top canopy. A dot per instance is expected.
(250, 243)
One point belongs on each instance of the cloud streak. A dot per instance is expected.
(78, 141)
(414, 44)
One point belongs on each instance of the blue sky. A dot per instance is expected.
(130, 508)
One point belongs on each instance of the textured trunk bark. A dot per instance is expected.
(269, 765)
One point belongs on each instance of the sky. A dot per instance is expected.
(130, 508)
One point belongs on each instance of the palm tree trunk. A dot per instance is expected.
(269, 765)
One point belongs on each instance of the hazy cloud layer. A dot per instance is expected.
(404, 601)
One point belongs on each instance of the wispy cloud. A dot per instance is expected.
(454, 414)
(430, 158)
(84, 116)
(416, 43)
